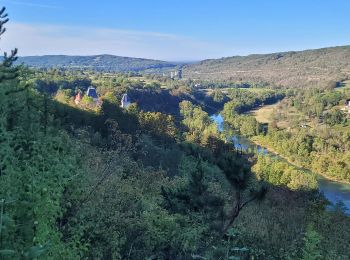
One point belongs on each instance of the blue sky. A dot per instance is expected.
(174, 30)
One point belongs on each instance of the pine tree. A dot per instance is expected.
(312, 240)
(7, 72)
(36, 162)
(239, 176)
(197, 198)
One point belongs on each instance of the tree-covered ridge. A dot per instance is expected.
(106, 63)
(310, 68)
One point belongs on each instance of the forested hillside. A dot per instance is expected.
(310, 68)
(106, 63)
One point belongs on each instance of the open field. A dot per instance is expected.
(283, 116)
(263, 114)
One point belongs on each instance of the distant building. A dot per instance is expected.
(91, 92)
(179, 73)
(176, 74)
(125, 101)
(78, 98)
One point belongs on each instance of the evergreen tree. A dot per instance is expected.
(6, 70)
(196, 198)
(36, 162)
(245, 191)
(312, 240)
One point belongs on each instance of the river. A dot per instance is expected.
(333, 191)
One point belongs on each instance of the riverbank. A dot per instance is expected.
(334, 191)
(271, 150)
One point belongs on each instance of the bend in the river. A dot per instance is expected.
(333, 191)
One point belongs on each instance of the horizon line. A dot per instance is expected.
(184, 61)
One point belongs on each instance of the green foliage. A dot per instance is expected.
(228, 248)
(198, 122)
(243, 124)
(314, 103)
(314, 146)
(196, 197)
(37, 161)
(52, 81)
(87, 100)
(312, 249)
(159, 125)
(277, 172)
(335, 117)
(218, 96)
(244, 100)
(311, 151)
(64, 96)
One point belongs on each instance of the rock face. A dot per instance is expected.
(78, 98)
(125, 101)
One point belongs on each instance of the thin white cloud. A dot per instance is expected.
(30, 4)
(39, 39)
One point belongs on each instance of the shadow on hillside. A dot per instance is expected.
(71, 116)
(167, 101)
(279, 221)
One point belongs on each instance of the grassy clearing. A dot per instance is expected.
(285, 117)
(264, 114)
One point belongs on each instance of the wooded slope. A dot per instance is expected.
(320, 67)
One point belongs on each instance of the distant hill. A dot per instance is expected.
(320, 67)
(106, 63)
(311, 68)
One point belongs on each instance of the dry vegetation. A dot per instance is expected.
(263, 114)
(311, 68)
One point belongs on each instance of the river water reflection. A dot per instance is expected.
(333, 191)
